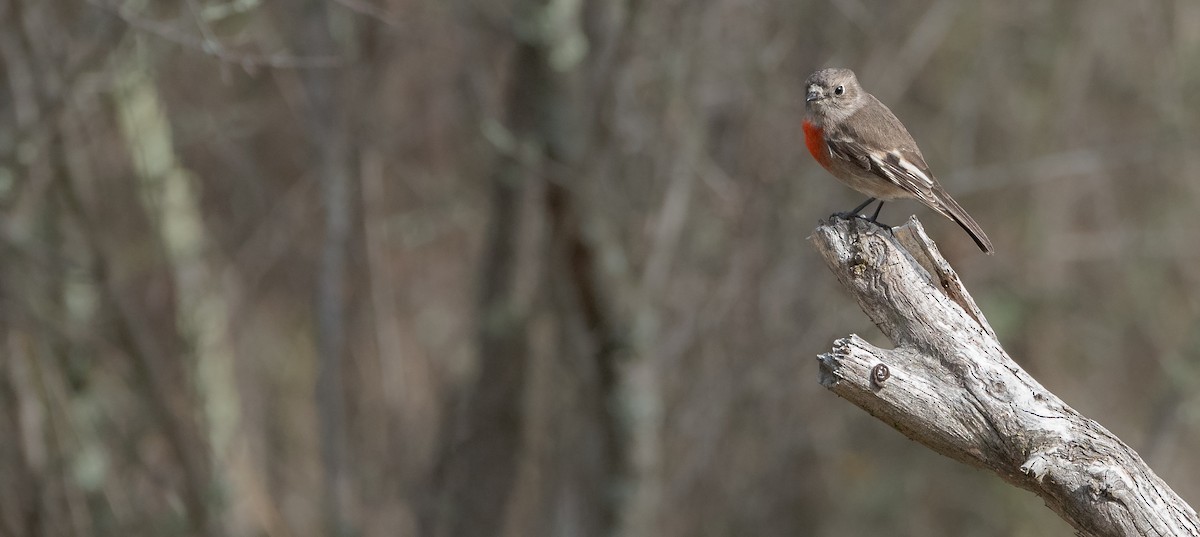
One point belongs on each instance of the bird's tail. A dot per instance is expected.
(954, 211)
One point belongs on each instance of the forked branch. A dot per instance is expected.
(949, 385)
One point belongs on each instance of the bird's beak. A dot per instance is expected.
(813, 94)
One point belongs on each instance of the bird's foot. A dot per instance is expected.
(863, 217)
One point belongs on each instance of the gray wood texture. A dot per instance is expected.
(949, 385)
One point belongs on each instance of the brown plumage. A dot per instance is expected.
(862, 143)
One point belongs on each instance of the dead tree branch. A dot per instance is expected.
(949, 385)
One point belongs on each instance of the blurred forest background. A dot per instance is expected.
(539, 267)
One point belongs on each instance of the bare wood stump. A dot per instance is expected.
(949, 385)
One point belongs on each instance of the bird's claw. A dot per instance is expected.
(863, 217)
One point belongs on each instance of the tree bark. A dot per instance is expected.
(949, 385)
(328, 136)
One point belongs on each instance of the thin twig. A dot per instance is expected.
(212, 47)
(366, 9)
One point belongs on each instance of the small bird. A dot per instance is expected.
(860, 141)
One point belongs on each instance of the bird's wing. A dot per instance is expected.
(874, 140)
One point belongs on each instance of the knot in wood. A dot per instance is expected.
(868, 255)
(879, 374)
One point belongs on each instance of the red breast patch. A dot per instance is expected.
(814, 138)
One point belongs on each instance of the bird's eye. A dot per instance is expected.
(839, 90)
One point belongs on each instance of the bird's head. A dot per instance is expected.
(832, 94)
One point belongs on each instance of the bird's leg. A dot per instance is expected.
(874, 219)
(858, 210)
(852, 213)
(875, 215)
(856, 213)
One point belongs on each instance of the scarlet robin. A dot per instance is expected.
(860, 141)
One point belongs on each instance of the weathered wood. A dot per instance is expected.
(949, 385)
